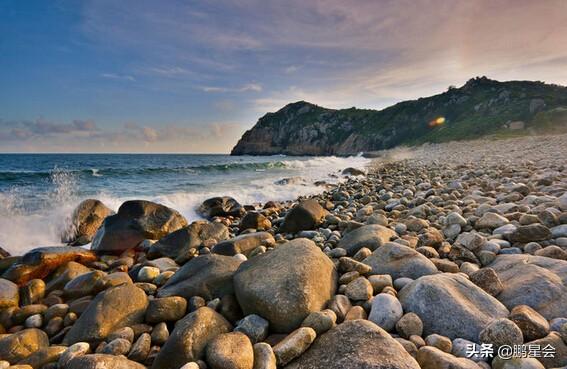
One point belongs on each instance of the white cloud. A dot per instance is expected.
(123, 77)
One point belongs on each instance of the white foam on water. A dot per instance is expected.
(21, 230)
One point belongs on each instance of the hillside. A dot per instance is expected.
(481, 107)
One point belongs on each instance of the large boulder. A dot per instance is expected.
(114, 308)
(208, 276)
(190, 337)
(85, 221)
(451, 305)
(370, 236)
(136, 221)
(220, 207)
(306, 215)
(179, 244)
(399, 261)
(243, 244)
(9, 294)
(40, 262)
(530, 233)
(20, 345)
(537, 281)
(102, 361)
(286, 284)
(355, 344)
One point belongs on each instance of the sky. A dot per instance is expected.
(192, 76)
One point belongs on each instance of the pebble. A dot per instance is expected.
(386, 311)
(293, 345)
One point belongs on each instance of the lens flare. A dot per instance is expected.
(437, 122)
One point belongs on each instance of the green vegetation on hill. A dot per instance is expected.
(480, 108)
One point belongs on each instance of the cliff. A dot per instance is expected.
(479, 108)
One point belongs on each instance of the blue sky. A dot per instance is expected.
(192, 76)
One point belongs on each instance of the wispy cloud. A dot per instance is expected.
(123, 77)
(254, 87)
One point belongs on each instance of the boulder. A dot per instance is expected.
(190, 337)
(451, 305)
(64, 274)
(530, 233)
(40, 262)
(102, 361)
(255, 220)
(20, 345)
(41, 358)
(530, 322)
(491, 221)
(371, 236)
(180, 244)
(243, 244)
(136, 221)
(536, 281)
(430, 357)
(306, 215)
(230, 351)
(399, 261)
(554, 345)
(355, 344)
(85, 221)
(350, 171)
(220, 207)
(166, 309)
(9, 294)
(286, 284)
(208, 276)
(115, 308)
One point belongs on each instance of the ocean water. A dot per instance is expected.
(38, 192)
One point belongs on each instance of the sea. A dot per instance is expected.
(38, 192)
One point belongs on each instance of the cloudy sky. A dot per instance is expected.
(192, 76)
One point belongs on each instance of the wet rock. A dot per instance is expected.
(64, 274)
(208, 276)
(40, 262)
(230, 351)
(530, 233)
(140, 348)
(112, 309)
(190, 338)
(399, 261)
(286, 284)
(220, 207)
(9, 294)
(304, 216)
(371, 236)
(136, 221)
(437, 299)
(243, 244)
(85, 221)
(180, 244)
(20, 345)
(166, 309)
(354, 344)
(43, 357)
(118, 346)
(255, 220)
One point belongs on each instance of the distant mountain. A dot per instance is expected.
(481, 107)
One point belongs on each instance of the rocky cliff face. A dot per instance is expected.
(480, 107)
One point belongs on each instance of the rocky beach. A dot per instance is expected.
(445, 256)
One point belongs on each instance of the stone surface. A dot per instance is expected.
(220, 206)
(355, 344)
(304, 216)
(430, 357)
(166, 309)
(293, 345)
(85, 221)
(286, 284)
(399, 261)
(209, 276)
(386, 311)
(264, 357)
(320, 321)
(190, 338)
(22, 344)
(112, 309)
(488, 280)
(101, 361)
(371, 236)
(9, 294)
(438, 299)
(230, 351)
(136, 221)
(501, 332)
(530, 322)
(530, 233)
(243, 244)
(181, 243)
(254, 326)
(536, 281)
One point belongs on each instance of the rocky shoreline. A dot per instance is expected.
(435, 251)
